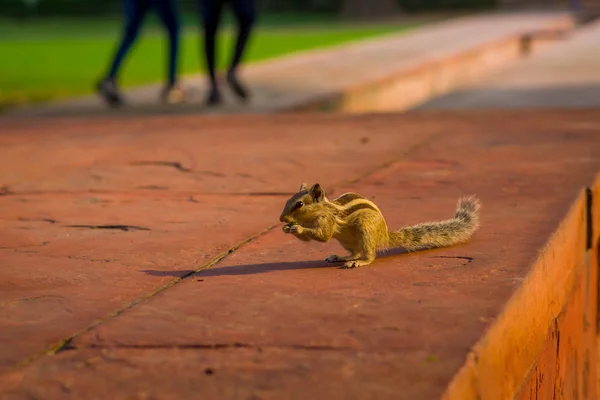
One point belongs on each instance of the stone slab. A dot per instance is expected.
(564, 75)
(86, 225)
(189, 154)
(273, 318)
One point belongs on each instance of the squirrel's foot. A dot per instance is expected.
(355, 264)
(333, 258)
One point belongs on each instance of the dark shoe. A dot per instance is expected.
(214, 98)
(109, 92)
(236, 86)
(173, 94)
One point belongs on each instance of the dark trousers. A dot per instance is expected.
(135, 12)
(245, 15)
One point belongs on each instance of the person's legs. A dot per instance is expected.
(245, 14)
(135, 11)
(169, 15)
(211, 15)
(168, 12)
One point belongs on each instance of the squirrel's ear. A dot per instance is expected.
(317, 192)
(303, 186)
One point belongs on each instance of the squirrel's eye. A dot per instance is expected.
(299, 204)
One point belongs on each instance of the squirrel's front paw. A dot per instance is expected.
(296, 229)
(292, 228)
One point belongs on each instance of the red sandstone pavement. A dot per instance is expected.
(271, 319)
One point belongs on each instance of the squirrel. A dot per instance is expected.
(359, 226)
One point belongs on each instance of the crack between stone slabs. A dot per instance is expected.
(177, 165)
(154, 189)
(65, 343)
(59, 346)
(26, 299)
(174, 164)
(202, 346)
(468, 259)
(49, 220)
(391, 161)
(24, 246)
(125, 228)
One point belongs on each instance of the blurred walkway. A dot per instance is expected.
(295, 81)
(565, 75)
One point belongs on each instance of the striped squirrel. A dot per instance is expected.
(358, 225)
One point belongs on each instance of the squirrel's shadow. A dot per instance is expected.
(248, 269)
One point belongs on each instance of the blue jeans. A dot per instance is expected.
(135, 12)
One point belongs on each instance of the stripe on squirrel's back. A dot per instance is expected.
(346, 198)
(363, 205)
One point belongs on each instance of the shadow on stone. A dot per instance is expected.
(511, 96)
(247, 269)
(250, 269)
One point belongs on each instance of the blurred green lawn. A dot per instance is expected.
(52, 59)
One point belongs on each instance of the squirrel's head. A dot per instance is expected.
(303, 205)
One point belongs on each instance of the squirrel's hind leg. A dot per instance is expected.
(351, 248)
(367, 250)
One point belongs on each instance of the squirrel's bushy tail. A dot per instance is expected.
(430, 235)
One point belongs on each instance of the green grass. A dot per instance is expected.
(55, 59)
